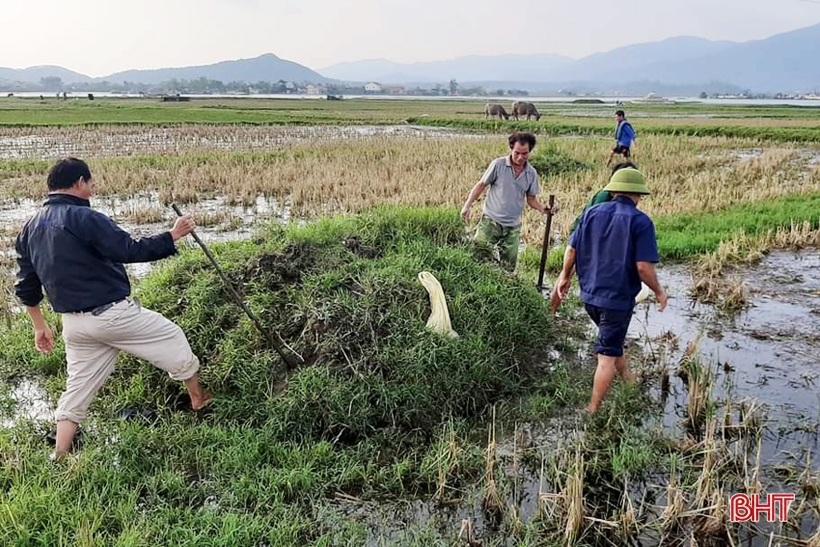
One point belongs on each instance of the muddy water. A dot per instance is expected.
(128, 140)
(769, 352)
(28, 401)
(239, 220)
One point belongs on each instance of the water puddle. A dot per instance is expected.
(142, 215)
(769, 352)
(26, 401)
(748, 155)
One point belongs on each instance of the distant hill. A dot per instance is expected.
(616, 65)
(266, 68)
(632, 62)
(472, 68)
(35, 73)
(785, 62)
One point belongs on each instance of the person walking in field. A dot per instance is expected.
(512, 182)
(624, 138)
(76, 254)
(613, 250)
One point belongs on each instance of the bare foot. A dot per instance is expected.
(203, 401)
(592, 409)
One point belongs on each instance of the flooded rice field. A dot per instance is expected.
(765, 360)
(141, 215)
(129, 140)
(769, 352)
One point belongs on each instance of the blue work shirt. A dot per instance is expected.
(624, 134)
(609, 242)
(76, 254)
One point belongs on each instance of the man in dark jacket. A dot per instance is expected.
(76, 255)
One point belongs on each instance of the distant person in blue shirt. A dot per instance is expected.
(624, 137)
(613, 250)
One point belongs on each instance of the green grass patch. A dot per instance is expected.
(689, 235)
(603, 128)
(769, 123)
(549, 161)
(692, 234)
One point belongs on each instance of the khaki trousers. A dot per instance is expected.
(92, 344)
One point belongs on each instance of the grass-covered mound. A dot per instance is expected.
(380, 406)
(548, 161)
(344, 294)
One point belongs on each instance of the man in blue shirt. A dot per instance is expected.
(624, 137)
(601, 197)
(76, 255)
(613, 250)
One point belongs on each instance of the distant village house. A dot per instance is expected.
(372, 87)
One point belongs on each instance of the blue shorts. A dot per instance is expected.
(612, 327)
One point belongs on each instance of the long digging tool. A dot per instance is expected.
(275, 341)
(546, 247)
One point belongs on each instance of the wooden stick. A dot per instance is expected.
(546, 247)
(272, 338)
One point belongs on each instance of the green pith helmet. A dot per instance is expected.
(627, 181)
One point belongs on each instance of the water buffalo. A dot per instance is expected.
(495, 110)
(520, 108)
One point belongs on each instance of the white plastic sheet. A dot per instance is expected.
(439, 320)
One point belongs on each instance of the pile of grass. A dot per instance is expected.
(549, 161)
(344, 294)
(364, 414)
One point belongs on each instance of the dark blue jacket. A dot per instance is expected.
(76, 254)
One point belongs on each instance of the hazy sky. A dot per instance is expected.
(98, 37)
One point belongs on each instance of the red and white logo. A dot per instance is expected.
(743, 508)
